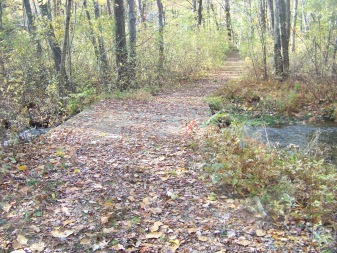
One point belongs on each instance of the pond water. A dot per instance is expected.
(320, 139)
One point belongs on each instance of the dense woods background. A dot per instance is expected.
(57, 55)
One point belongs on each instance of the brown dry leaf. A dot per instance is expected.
(243, 242)
(7, 207)
(156, 210)
(39, 247)
(203, 238)
(105, 219)
(191, 230)
(131, 198)
(60, 234)
(67, 222)
(65, 210)
(85, 241)
(22, 240)
(154, 235)
(147, 201)
(24, 190)
(260, 232)
(118, 247)
(108, 230)
(34, 228)
(156, 226)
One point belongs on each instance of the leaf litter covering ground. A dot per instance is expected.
(122, 177)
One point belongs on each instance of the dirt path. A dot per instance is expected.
(122, 177)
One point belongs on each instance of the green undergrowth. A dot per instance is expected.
(289, 185)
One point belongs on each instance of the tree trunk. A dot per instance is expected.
(141, 8)
(215, 16)
(1, 27)
(63, 73)
(161, 38)
(262, 22)
(228, 19)
(293, 30)
(132, 39)
(334, 68)
(31, 25)
(121, 50)
(285, 31)
(109, 7)
(91, 31)
(278, 61)
(194, 5)
(54, 46)
(102, 54)
(199, 12)
(270, 5)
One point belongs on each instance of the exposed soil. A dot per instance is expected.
(123, 177)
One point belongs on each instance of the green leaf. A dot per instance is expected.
(216, 177)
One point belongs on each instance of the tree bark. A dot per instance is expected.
(54, 46)
(285, 32)
(141, 8)
(161, 38)
(262, 21)
(194, 5)
(278, 61)
(102, 54)
(63, 73)
(334, 68)
(109, 7)
(228, 19)
(270, 5)
(31, 26)
(1, 27)
(293, 30)
(121, 50)
(199, 12)
(132, 39)
(91, 31)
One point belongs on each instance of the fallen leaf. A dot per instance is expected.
(154, 235)
(156, 226)
(260, 232)
(191, 230)
(34, 228)
(65, 210)
(203, 238)
(118, 247)
(85, 241)
(60, 234)
(19, 251)
(147, 201)
(67, 222)
(243, 242)
(105, 219)
(39, 247)
(7, 207)
(22, 167)
(22, 240)
(108, 230)
(156, 210)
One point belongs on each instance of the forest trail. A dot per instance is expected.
(122, 177)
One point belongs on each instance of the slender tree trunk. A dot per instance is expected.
(228, 19)
(109, 7)
(102, 53)
(293, 30)
(285, 31)
(334, 68)
(262, 22)
(304, 25)
(121, 50)
(132, 39)
(63, 73)
(270, 5)
(91, 31)
(31, 26)
(1, 27)
(278, 61)
(141, 8)
(161, 38)
(328, 41)
(194, 5)
(54, 46)
(199, 12)
(215, 16)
